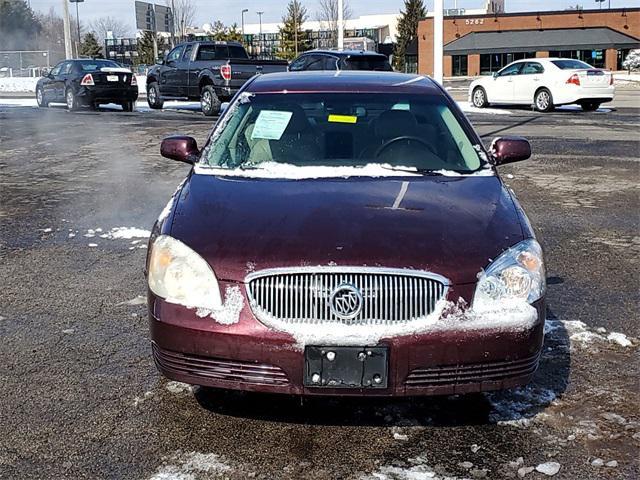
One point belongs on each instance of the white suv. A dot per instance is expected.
(545, 83)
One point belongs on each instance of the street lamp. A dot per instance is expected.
(77, 23)
(244, 10)
(260, 17)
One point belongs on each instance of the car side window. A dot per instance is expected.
(187, 53)
(298, 64)
(56, 70)
(532, 68)
(316, 62)
(510, 70)
(175, 54)
(66, 68)
(330, 63)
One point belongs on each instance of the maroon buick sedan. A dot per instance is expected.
(345, 235)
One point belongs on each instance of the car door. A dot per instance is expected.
(527, 82)
(169, 76)
(49, 85)
(183, 74)
(60, 81)
(502, 86)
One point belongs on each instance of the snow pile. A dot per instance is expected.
(126, 233)
(582, 336)
(468, 108)
(418, 470)
(189, 466)
(506, 316)
(178, 388)
(18, 84)
(519, 407)
(548, 468)
(229, 313)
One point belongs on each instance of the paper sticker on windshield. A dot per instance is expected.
(343, 118)
(401, 106)
(271, 124)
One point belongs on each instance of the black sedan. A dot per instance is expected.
(340, 60)
(88, 82)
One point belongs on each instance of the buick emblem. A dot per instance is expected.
(345, 301)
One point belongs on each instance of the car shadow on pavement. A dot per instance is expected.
(517, 405)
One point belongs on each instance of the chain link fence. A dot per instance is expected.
(25, 63)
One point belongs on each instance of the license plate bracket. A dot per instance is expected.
(112, 78)
(346, 367)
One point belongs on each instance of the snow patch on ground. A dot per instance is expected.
(178, 388)
(139, 300)
(190, 466)
(18, 84)
(582, 335)
(517, 407)
(126, 233)
(418, 470)
(468, 108)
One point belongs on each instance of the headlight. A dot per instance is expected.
(517, 274)
(180, 275)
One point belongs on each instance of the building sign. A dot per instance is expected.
(155, 18)
(474, 21)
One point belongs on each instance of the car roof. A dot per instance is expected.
(345, 53)
(344, 81)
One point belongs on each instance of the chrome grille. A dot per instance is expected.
(302, 295)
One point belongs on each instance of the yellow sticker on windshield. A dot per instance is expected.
(343, 118)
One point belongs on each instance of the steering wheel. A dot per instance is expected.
(404, 137)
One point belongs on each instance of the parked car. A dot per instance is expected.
(88, 82)
(546, 83)
(211, 72)
(345, 234)
(340, 60)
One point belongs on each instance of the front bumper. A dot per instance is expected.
(250, 356)
(108, 94)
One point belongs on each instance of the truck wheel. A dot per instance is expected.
(543, 100)
(209, 101)
(153, 96)
(128, 106)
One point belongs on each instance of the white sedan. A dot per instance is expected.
(545, 83)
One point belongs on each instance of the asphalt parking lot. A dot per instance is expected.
(81, 397)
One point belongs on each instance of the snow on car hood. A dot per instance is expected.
(453, 226)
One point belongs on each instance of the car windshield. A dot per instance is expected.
(93, 65)
(570, 64)
(367, 62)
(417, 132)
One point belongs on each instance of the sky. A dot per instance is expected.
(228, 11)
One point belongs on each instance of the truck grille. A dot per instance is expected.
(350, 295)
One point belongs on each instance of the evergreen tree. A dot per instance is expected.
(90, 46)
(293, 40)
(414, 11)
(18, 25)
(233, 34)
(145, 49)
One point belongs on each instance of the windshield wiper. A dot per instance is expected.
(419, 171)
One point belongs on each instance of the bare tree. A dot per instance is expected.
(184, 14)
(327, 14)
(101, 26)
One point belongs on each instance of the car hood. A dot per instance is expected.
(452, 226)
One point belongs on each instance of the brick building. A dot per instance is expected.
(482, 44)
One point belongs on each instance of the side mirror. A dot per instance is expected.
(509, 150)
(180, 148)
(159, 62)
(223, 107)
(45, 72)
(495, 75)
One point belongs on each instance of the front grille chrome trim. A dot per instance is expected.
(300, 295)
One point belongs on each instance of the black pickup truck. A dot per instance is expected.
(211, 72)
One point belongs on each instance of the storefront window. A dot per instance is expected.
(622, 55)
(492, 62)
(592, 57)
(460, 65)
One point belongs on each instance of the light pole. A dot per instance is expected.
(68, 49)
(260, 17)
(244, 10)
(438, 21)
(295, 26)
(77, 25)
(340, 25)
